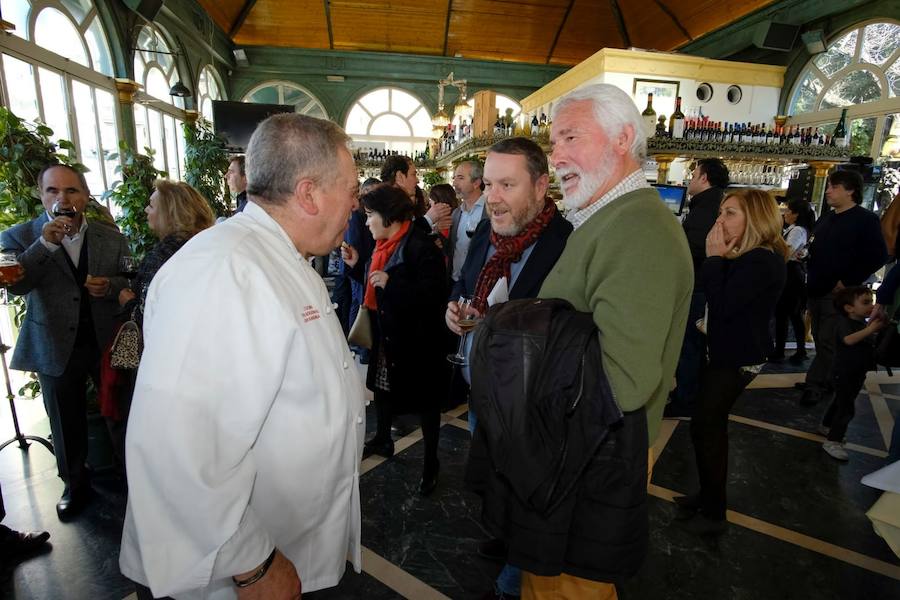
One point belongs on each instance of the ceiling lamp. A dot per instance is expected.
(460, 109)
(441, 118)
(179, 90)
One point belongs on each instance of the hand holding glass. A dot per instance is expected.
(468, 318)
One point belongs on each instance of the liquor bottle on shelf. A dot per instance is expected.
(649, 116)
(535, 126)
(840, 138)
(676, 121)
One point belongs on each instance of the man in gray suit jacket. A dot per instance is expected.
(71, 288)
(466, 217)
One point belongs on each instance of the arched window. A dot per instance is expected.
(158, 116)
(57, 59)
(859, 71)
(390, 119)
(285, 92)
(155, 67)
(208, 89)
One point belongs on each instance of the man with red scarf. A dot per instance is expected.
(521, 242)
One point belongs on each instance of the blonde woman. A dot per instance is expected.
(742, 276)
(175, 213)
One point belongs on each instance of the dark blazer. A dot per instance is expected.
(702, 214)
(409, 323)
(741, 294)
(546, 251)
(456, 215)
(48, 332)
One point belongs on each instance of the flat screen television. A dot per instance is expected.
(236, 121)
(673, 195)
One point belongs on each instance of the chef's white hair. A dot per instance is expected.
(613, 111)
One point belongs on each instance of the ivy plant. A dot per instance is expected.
(131, 195)
(205, 164)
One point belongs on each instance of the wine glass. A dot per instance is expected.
(60, 210)
(128, 267)
(467, 321)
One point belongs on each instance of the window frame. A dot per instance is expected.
(280, 84)
(878, 109)
(368, 137)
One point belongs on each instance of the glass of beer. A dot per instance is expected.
(468, 318)
(10, 269)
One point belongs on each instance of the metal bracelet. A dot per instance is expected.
(259, 574)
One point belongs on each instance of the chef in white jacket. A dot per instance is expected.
(247, 422)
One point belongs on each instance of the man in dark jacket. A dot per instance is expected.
(846, 248)
(707, 187)
(522, 241)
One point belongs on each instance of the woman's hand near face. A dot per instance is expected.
(715, 241)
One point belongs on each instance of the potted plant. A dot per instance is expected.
(205, 163)
(131, 195)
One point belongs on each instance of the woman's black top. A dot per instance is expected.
(741, 294)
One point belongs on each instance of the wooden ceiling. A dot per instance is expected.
(562, 32)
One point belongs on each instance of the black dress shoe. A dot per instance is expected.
(72, 502)
(16, 545)
(429, 481)
(702, 525)
(495, 549)
(383, 448)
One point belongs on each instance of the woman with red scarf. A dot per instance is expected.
(406, 291)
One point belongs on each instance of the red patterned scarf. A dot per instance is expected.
(384, 249)
(509, 250)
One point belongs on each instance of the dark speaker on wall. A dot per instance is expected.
(146, 8)
(776, 36)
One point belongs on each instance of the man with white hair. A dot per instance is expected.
(244, 477)
(627, 263)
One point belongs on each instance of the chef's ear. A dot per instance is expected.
(306, 196)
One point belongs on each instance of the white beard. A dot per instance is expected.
(588, 183)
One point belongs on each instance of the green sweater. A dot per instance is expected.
(630, 266)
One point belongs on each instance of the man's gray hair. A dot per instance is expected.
(81, 179)
(477, 171)
(613, 110)
(288, 147)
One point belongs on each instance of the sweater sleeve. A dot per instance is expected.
(871, 251)
(624, 292)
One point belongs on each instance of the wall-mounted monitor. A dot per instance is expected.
(673, 196)
(236, 121)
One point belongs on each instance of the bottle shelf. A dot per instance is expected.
(784, 152)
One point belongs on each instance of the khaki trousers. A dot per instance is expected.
(569, 587)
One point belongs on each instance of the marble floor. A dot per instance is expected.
(798, 527)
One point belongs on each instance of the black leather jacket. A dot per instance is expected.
(563, 471)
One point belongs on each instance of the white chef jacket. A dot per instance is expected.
(247, 422)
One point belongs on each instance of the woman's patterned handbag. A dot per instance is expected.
(125, 352)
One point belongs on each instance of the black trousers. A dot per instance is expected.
(719, 389)
(843, 407)
(429, 420)
(65, 399)
(789, 309)
(824, 325)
